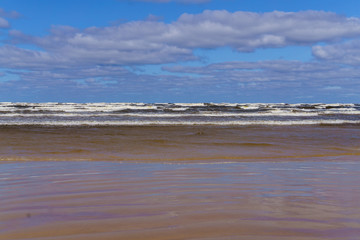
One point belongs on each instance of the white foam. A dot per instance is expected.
(66, 114)
(79, 107)
(161, 115)
(177, 123)
(87, 113)
(75, 107)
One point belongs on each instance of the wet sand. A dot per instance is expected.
(183, 183)
(111, 200)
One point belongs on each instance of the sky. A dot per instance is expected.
(286, 51)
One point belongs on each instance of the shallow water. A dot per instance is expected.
(180, 143)
(125, 200)
(180, 182)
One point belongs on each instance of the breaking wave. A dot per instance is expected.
(137, 114)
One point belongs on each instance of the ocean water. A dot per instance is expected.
(141, 114)
(179, 171)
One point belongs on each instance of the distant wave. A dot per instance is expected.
(179, 123)
(127, 114)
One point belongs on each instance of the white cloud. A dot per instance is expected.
(347, 53)
(4, 23)
(11, 14)
(246, 31)
(274, 73)
(97, 58)
(287, 80)
(154, 42)
(332, 88)
(5, 14)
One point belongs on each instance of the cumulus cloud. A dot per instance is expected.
(347, 53)
(7, 14)
(246, 31)
(100, 57)
(4, 23)
(154, 42)
(130, 43)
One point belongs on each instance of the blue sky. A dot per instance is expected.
(180, 51)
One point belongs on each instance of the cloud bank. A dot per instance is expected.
(151, 42)
(103, 58)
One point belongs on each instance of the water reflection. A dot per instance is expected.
(127, 200)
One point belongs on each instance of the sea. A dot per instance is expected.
(248, 171)
(171, 114)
